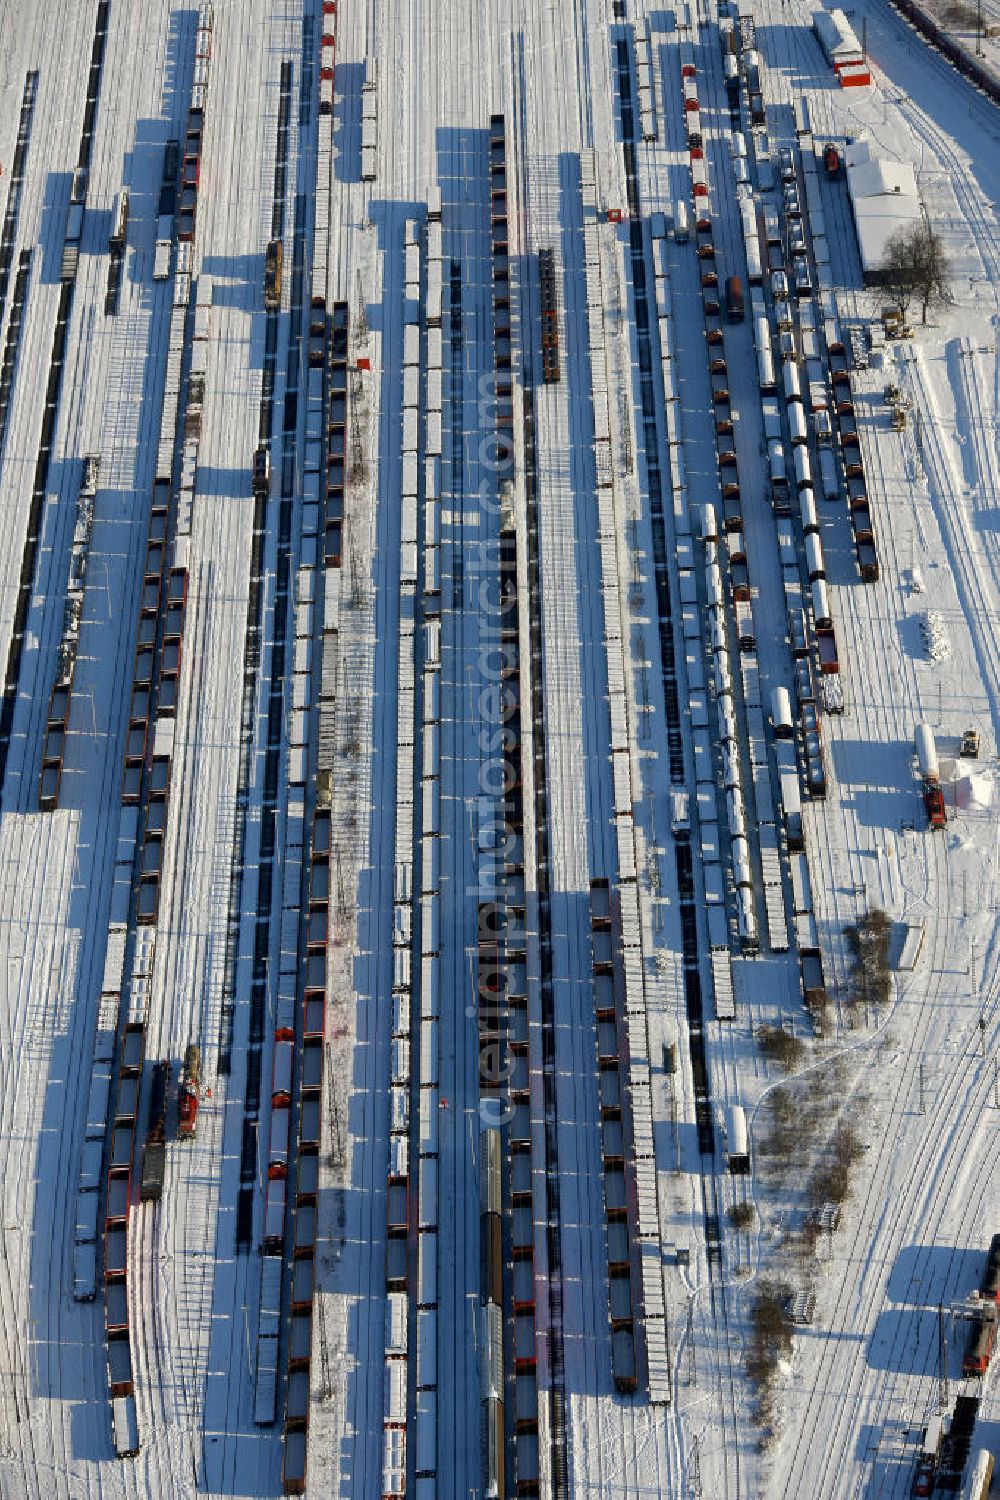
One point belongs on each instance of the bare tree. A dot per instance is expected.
(896, 270)
(915, 268)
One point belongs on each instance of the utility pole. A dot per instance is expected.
(979, 28)
(920, 1082)
(943, 1393)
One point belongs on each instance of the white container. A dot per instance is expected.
(815, 565)
(926, 751)
(821, 604)
(803, 471)
(765, 368)
(781, 712)
(741, 862)
(793, 390)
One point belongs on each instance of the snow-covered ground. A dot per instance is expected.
(916, 1079)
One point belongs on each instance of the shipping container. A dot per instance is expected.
(734, 299)
(815, 564)
(781, 712)
(272, 275)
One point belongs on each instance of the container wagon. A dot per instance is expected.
(272, 275)
(154, 1154)
(791, 803)
(119, 224)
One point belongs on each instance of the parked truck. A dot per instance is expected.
(190, 1092)
(735, 308)
(737, 1140)
(930, 774)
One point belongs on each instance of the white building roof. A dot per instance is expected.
(835, 33)
(875, 219)
(884, 198)
(857, 151)
(873, 179)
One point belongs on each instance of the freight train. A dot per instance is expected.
(976, 72)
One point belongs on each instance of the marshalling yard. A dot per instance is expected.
(499, 859)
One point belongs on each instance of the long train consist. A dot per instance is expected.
(956, 54)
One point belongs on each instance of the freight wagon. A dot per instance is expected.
(153, 1156)
(272, 275)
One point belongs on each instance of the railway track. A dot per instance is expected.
(933, 1211)
(972, 589)
(870, 1213)
(579, 807)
